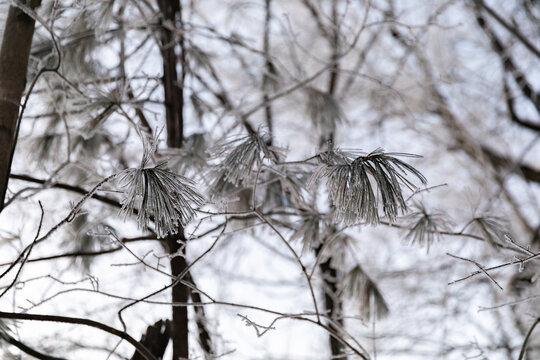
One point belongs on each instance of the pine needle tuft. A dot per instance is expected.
(310, 233)
(240, 158)
(324, 110)
(425, 226)
(351, 183)
(158, 194)
(492, 229)
(357, 285)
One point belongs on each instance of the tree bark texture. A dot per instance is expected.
(155, 339)
(332, 307)
(14, 54)
(173, 85)
(180, 294)
(171, 12)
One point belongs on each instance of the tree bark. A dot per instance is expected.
(14, 54)
(171, 12)
(205, 341)
(155, 339)
(180, 294)
(332, 305)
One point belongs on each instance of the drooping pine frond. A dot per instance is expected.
(324, 110)
(198, 58)
(310, 233)
(358, 185)
(271, 77)
(91, 145)
(338, 248)
(240, 158)
(156, 193)
(200, 106)
(84, 235)
(357, 285)
(47, 146)
(190, 157)
(285, 189)
(492, 229)
(425, 227)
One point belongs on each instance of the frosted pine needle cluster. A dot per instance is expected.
(492, 229)
(240, 158)
(324, 110)
(158, 195)
(189, 159)
(161, 195)
(425, 227)
(357, 186)
(310, 233)
(357, 285)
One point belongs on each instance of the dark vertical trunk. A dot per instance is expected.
(155, 339)
(205, 341)
(172, 84)
(180, 294)
(332, 302)
(14, 54)
(268, 70)
(171, 11)
(332, 305)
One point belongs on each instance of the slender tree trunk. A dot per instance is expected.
(171, 11)
(180, 294)
(14, 54)
(332, 302)
(205, 341)
(332, 305)
(155, 339)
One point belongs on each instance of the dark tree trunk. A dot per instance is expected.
(171, 12)
(180, 294)
(14, 54)
(332, 302)
(332, 306)
(173, 85)
(205, 341)
(155, 339)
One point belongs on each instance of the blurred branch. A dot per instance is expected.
(205, 341)
(528, 124)
(527, 337)
(72, 188)
(513, 30)
(508, 64)
(27, 349)
(81, 321)
(269, 72)
(500, 161)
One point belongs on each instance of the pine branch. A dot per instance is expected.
(350, 181)
(358, 285)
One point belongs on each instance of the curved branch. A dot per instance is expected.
(72, 188)
(80, 321)
(27, 349)
(513, 30)
(529, 333)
